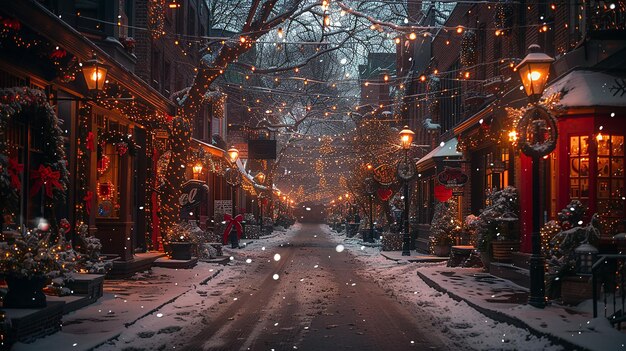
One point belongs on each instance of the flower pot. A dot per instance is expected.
(181, 251)
(503, 250)
(441, 250)
(25, 292)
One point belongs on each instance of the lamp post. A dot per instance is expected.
(369, 191)
(261, 178)
(95, 73)
(537, 134)
(404, 172)
(233, 155)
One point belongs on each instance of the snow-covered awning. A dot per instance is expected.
(212, 149)
(584, 88)
(447, 150)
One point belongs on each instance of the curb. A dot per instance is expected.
(501, 317)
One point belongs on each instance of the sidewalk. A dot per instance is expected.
(414, 257)
(504, 301)
(124, 302)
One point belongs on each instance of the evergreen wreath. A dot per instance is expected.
(30, 104)
(122, 142)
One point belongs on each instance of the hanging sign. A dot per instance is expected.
(385, 174)
(452, 177)
(222, 207)
(194, 193)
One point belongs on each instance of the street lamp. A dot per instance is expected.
(233, 154)
(197, 169)
(404, 172)
(536, 134)
(95, 73)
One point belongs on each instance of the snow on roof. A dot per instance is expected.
(582, 88)
(448, 149)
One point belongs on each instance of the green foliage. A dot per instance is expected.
(444, 224)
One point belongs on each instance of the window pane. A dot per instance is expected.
(574, 188)
(617, 168)
(603, 167)
(584, 145)
(603, 189)
(574, 167)
(617, 142)
(584, 167)
(574, 148)
(584, 188)
(603, 145)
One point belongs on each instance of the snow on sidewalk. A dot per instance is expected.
(459, 322)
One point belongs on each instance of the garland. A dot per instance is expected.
(468, 49)
(503, 17)
(124, 143)
(51, 176)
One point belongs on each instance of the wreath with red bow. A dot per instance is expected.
(31, 106)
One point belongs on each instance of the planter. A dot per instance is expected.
(25, 292)
(576, 289)
(181, 251)
(441, 250)
(503, 250)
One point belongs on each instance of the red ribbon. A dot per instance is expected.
(15, 169)
(233, 222)
(47, 178)
(87, 200)
(90, 142)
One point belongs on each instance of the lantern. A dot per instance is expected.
(95, 73)
(261, 177)
(197, 168)
(534, 70)
(585, 257)
(233, 154)
(406, 137)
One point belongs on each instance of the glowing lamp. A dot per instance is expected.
(197, 168)
(233, 154)
(261, 178)
(95, 73)
(406, 137)
(534, 70)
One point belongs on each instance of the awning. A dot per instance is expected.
(212, 149)
(445, 151)
(584, 88)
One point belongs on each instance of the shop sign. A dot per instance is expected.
(385, 174)
(452, 177)
(194, 193)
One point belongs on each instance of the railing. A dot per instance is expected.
(607, 282)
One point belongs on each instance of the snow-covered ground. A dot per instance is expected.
(463, 323)
(164, 308)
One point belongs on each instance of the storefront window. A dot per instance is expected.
(579, 168)
(497, 170)
(610, 176)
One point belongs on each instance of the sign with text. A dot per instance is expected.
(195, 193)
(222, 207)
(452, 177)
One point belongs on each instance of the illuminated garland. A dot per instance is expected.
(468, 55)
(156, 18)
(84, 148)
(123, 142)
(21, 102)
(503, 17)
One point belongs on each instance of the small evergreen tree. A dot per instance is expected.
(444, 224)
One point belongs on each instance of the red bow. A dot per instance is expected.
(87, 200)
(58, 54)
(90, 141)
(15, 169)
(47, 178)
(233, 222)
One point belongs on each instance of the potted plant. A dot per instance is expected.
(501, 204)
(506, 241)
(442, 228)
(29, 262)
(180, 241)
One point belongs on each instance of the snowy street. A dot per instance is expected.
(321, 292)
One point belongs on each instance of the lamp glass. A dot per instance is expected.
(95, 74)
(534, 70)
(261, 177)
(406, 137)
(197, 168)
(233, 154)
